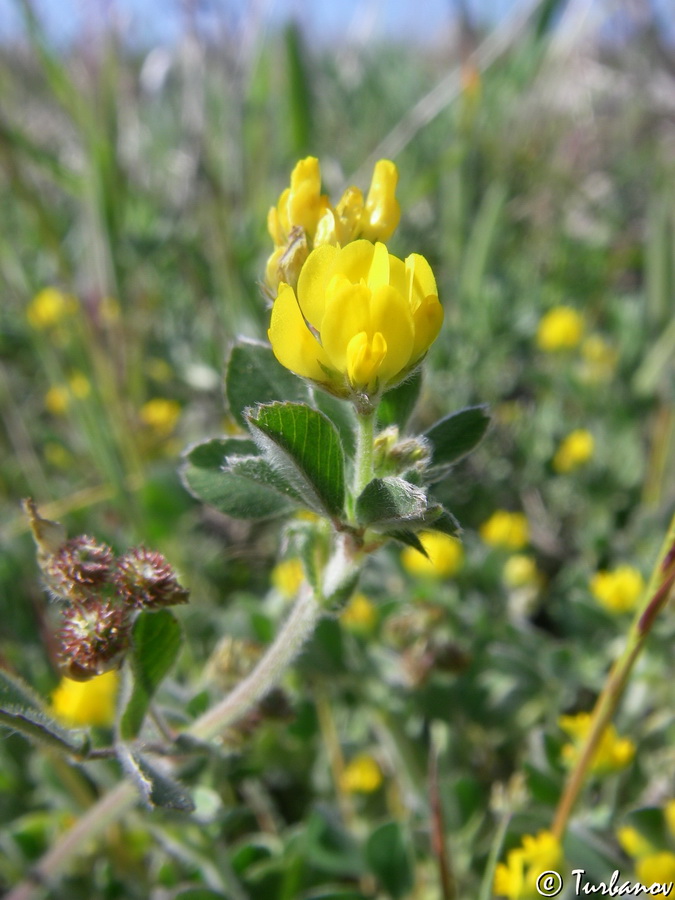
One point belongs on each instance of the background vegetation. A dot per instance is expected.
(139, 183)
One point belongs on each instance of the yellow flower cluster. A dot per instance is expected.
(80, 703)
(516, 879)
(561, 328)
(509, 530)
(618, 590)
(444, 556)
(574, 451)
(360, 320)
(652, 864)
(613, 753)
(361, 776)
(49, 308)
(304, 218)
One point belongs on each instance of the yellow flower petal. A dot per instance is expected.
(382, 212)
(293, 343)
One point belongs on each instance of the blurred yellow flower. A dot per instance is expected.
(445, 556)
(520, 570)
(304, 218)
(287, 576)
(49, 307)
(360, 614)
(160, 414)
(574, 451)
(506, 529)
(91, 702)
(618, 590)
(669, 814)
(613, 753)
(57, 399)
(361, 320)
(109, 309)
(57, 455)
(561, 328)
(599, 359)
(361, 776)
(516, 879)
(656, 868)
(632, 842)
(79, 385)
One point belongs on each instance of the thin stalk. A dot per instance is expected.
(658, 591)
(363, 466)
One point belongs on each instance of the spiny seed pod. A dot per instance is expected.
(94, 637)
(145, 580)
(80, 569)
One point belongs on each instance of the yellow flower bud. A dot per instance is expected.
(445, 556)
(618, 590)
(521, 570)
(359, 614)
(574, 451)
(360, 321)
(160, 414)
(92, 702)
(516, 879)
(613, 752)
(382, 212)
(287, 576)
(506, 529)
(560, 329)
(632, 842)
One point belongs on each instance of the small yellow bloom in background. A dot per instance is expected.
(361, 776)
(445, 556)
(109, 310)
(287, 576)
(599, 359)
(79, 385)
(506, 529)
(361, 320)
(49, 307)
(669, 814)
(560, 329)
(57, 399)
(632, 842)
(158, 369)
(618, 590)
(57, 455)
(520, 570)
(360, 614)
(160, 414)
(657, 868)
(79, 703)
(613, 752)
(574, 451)
(516, 879)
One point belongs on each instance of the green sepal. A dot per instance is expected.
(446, 523)
(253, 375)
(453, 437)
(409, 538)
(156, 639)
(155, 787)
(304, 445)
(22, 710)
(243, 494)
(397, 405)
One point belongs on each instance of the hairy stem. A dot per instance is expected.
(363, 467)
(658, 591)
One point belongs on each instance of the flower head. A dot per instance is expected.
(360, 320)
(92, 702)
(506, 529)
(362, 775)
(517, 877)
(574, 451)
(79, 568)
(144, 579)
(618, 590)
(444, 556)
(304, 218)
(561, 328)
(613, 752)
(94, 638)
(50, 307)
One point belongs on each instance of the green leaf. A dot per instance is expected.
(388, 857)
(239, 494)
(156, 639)
(22, 710)
(390, 503)
(446, 523)
(454, 436)
(305, 446)
(397, 404)
(156, 787)
(258, 469)
(253, 375)
(341, 415)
